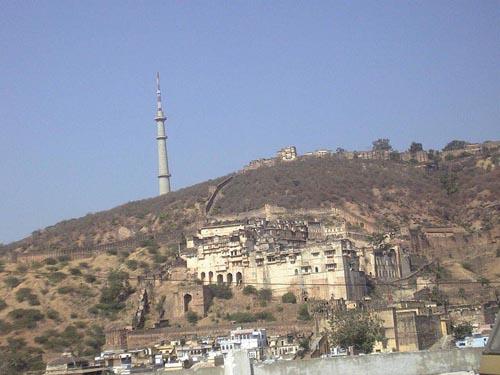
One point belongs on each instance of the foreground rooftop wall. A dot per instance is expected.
(411, 363)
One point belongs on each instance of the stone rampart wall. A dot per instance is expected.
(87, 252)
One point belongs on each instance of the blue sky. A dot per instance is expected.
(240, 79)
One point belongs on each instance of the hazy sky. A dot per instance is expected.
(240, 79)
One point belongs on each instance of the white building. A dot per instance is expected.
(254, 341)
(227, 345)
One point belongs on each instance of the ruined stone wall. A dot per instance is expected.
(116, 339)
(183, 298)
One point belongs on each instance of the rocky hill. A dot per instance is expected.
(58, 301)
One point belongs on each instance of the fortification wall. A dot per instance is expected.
(272, 212)
(88, 252)
(216, 191)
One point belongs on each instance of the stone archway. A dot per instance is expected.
(220, 279)
(210, 277)
(187, 299)
(202, 276)
(229, 278)
(239, 278)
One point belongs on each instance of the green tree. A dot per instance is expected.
(75, 271)
(249, 289)
(53, 314)
(90, 278)
(115, 293)
(241, 317)
(25, 318)
(382, 144)
(265, 315)
(449, 182)
(356, 328)
(12, 281)
(455, 145)
(222, 291)
(26, 294)
(462, 330)
(56, 277)
(5, 327)
(415, 147)
(288, 297)
(132, 264)
(304, 344)
(303, 313)
(50, 261)
(265, 294)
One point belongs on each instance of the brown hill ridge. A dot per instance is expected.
(390, 193)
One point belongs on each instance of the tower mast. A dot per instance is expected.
(161, 137)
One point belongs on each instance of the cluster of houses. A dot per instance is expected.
(181, 354)
(407, 328)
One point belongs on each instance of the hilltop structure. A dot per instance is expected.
(161, 137)
(420, 158)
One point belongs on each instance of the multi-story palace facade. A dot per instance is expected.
(278, 255)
